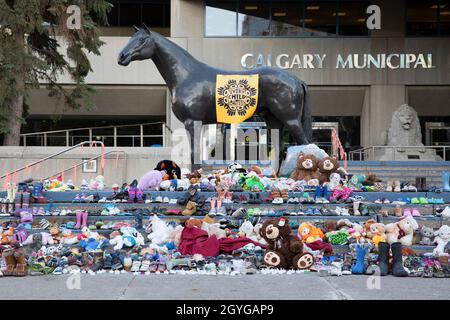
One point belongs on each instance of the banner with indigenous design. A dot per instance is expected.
(236, 97)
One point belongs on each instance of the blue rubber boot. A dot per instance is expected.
(325, 192)
(358, 267)
(318, 191)
(446, 180)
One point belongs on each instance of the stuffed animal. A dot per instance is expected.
(335, 181)
(327, 166)
(195, 176)
(401, 231)
(284, 249)
(175, 185)
(442, 237)
(378, 233)
(41, 237)
(309, 233)
(128, 237)
(426, 234)
(306, 169)
(367, 232)
(339, 237)
(151, 180)
(97, 184)
(67, 237)
(172, 170)
(158, 231)
(55, 232)
(214, 229)
(193, 222)
(7, 235)
(252, 232)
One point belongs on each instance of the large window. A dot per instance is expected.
(154, 13)
(428, 17)
(286, 18)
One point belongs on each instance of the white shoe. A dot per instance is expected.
(159, 199)
(166, 200)
(446, 213)
(173, 201)
(277, 201)
(344, 212)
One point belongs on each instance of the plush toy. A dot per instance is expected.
(252, 232)
(158, 231)
(128, 237)
(195, 176)
(339, 237)
(442, 237)
(284, 249)
(426, 234)
(55, 232)
(7, 235)
(67, 237)
(252, 182)
(309, 233)
(175, 185)
(151, 180)
(193, 222)
(327, 166)
(172, 170)
(335, 181)
(306, 169)
(378, 233)
(356, 233)
(367, 232)
(401, 231)
(97, 184)
(41, 237)
(214, 229)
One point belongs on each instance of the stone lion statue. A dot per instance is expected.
(405, 128)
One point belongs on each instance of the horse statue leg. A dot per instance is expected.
(190, 127)
(274, 124)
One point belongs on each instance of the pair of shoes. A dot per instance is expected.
(397, 259)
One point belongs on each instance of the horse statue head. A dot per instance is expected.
(141, 46)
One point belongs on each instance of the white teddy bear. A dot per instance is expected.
(252, 232)
(158, 231)
(442, 237)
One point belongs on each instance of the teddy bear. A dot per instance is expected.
(426, 234)
(284, 250)
(367, 232)
(401, 231)
(7, 235)
(151, 180)
(306, 169)
(309, 233)
(195, 176)
(442, 237)
(252, 232)
(327, 166)
(158, 231)
(378, 233)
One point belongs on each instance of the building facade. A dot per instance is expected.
(357, 77)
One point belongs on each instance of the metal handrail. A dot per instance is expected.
(90, 143)
(368, 153)
(84, 161)
(67, 132)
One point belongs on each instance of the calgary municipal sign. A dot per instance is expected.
(350, 61)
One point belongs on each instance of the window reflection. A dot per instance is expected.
(421, 17)
(352, 18)
(253, 18)
(444, 17)
(220, 18)
(287, 18)
(320, 18)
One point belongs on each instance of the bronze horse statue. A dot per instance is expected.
(283, 100)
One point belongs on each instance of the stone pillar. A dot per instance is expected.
(376, 116)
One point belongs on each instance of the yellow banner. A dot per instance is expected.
(236, 97)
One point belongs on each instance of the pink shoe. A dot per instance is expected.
(84, 216)
(79, 219)
(407, 212)
(415, 212)
(346, 193)
(336, 194)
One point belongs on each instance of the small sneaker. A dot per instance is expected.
(277, 201)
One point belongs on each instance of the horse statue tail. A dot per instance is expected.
(306, 118)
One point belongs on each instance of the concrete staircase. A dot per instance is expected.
(402, 170)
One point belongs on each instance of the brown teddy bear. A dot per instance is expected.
(306, 168)
(327, 166)
(284, 250)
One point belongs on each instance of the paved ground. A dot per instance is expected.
(178, 287)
